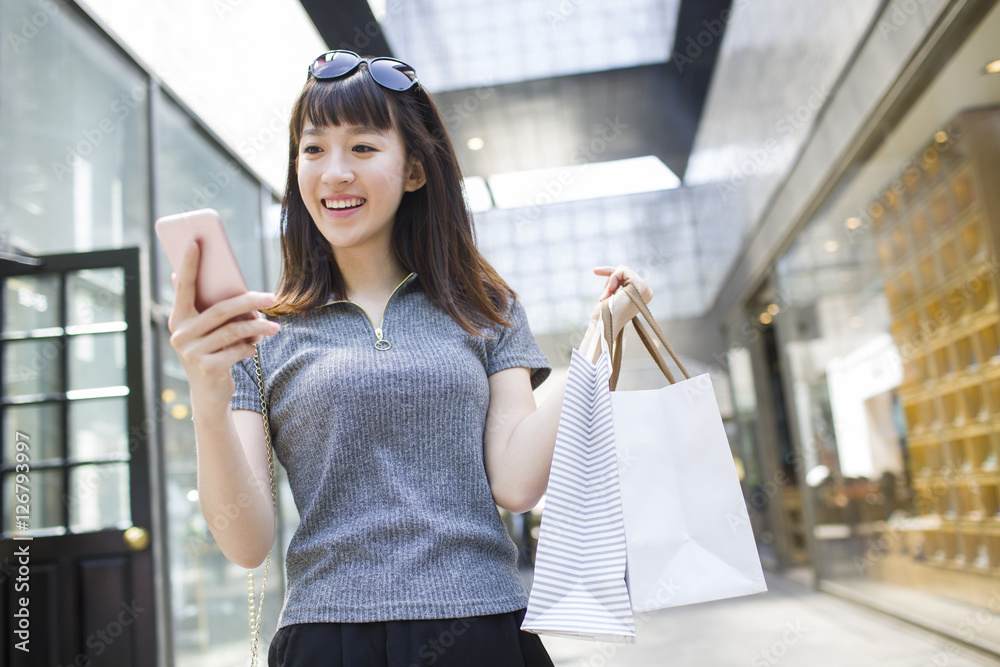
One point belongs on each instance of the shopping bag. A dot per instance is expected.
(579, 588)
(687, 529)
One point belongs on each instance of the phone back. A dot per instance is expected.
(219, 275)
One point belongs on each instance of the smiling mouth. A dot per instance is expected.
(342, 204)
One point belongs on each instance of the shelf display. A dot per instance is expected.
(937, 239)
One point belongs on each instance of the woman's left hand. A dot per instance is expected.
(620, 277)
(622, 308)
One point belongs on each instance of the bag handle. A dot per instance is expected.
(616, 345)
(257, 612)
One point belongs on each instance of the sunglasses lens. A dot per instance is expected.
(392, 74)
(334, 64)
(387, 72)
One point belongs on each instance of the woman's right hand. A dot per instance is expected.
(210, 342)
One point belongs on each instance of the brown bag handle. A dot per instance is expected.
(616, 345)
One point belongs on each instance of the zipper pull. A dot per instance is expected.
(381, 343)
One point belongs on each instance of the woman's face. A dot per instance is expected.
(352, 179)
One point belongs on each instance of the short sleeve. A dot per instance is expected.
(515, 347)
(247, 395)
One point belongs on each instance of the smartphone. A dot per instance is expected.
(219, 275)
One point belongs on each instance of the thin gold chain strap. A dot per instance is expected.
(255, 611)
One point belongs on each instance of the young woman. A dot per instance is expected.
(398, 369)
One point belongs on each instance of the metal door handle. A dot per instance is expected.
(136, 538)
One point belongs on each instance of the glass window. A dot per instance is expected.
(96, 296)
(99, 497)
(42, 421)
(194, 173)
(46, 506)
(208, 592)
(889, 319)
(73, 132)
(32, 302)
(96, 361)
(98, 428)
(80, 471)
(32, 367)
(272, 236)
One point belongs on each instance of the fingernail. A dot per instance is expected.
(268, 298)
(275, 327)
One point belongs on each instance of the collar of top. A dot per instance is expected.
(410, 278)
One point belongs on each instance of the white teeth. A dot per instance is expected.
(343, 203)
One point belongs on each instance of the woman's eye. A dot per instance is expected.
(361, 148)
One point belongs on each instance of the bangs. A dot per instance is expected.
(350, 100)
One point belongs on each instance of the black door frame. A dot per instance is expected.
(112, 564)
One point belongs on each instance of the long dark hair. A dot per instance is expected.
(432, 234)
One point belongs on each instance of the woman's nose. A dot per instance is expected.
(338, 170)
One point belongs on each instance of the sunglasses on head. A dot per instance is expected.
(386, 72)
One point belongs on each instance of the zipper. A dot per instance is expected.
(381, 343)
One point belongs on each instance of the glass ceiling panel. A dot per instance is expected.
(547, 254)
(456, 44)
(539, 187)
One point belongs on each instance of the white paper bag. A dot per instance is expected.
(687, 529)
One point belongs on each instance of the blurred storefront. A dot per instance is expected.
(866, 367)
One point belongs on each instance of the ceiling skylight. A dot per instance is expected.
(539, 187)
(456, 44)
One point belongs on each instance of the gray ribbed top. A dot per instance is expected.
(384, 453)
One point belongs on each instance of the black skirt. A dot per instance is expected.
(483, 641)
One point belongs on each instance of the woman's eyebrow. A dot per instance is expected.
(365, 129)
(351, 129)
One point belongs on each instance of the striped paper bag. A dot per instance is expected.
(579, 582)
